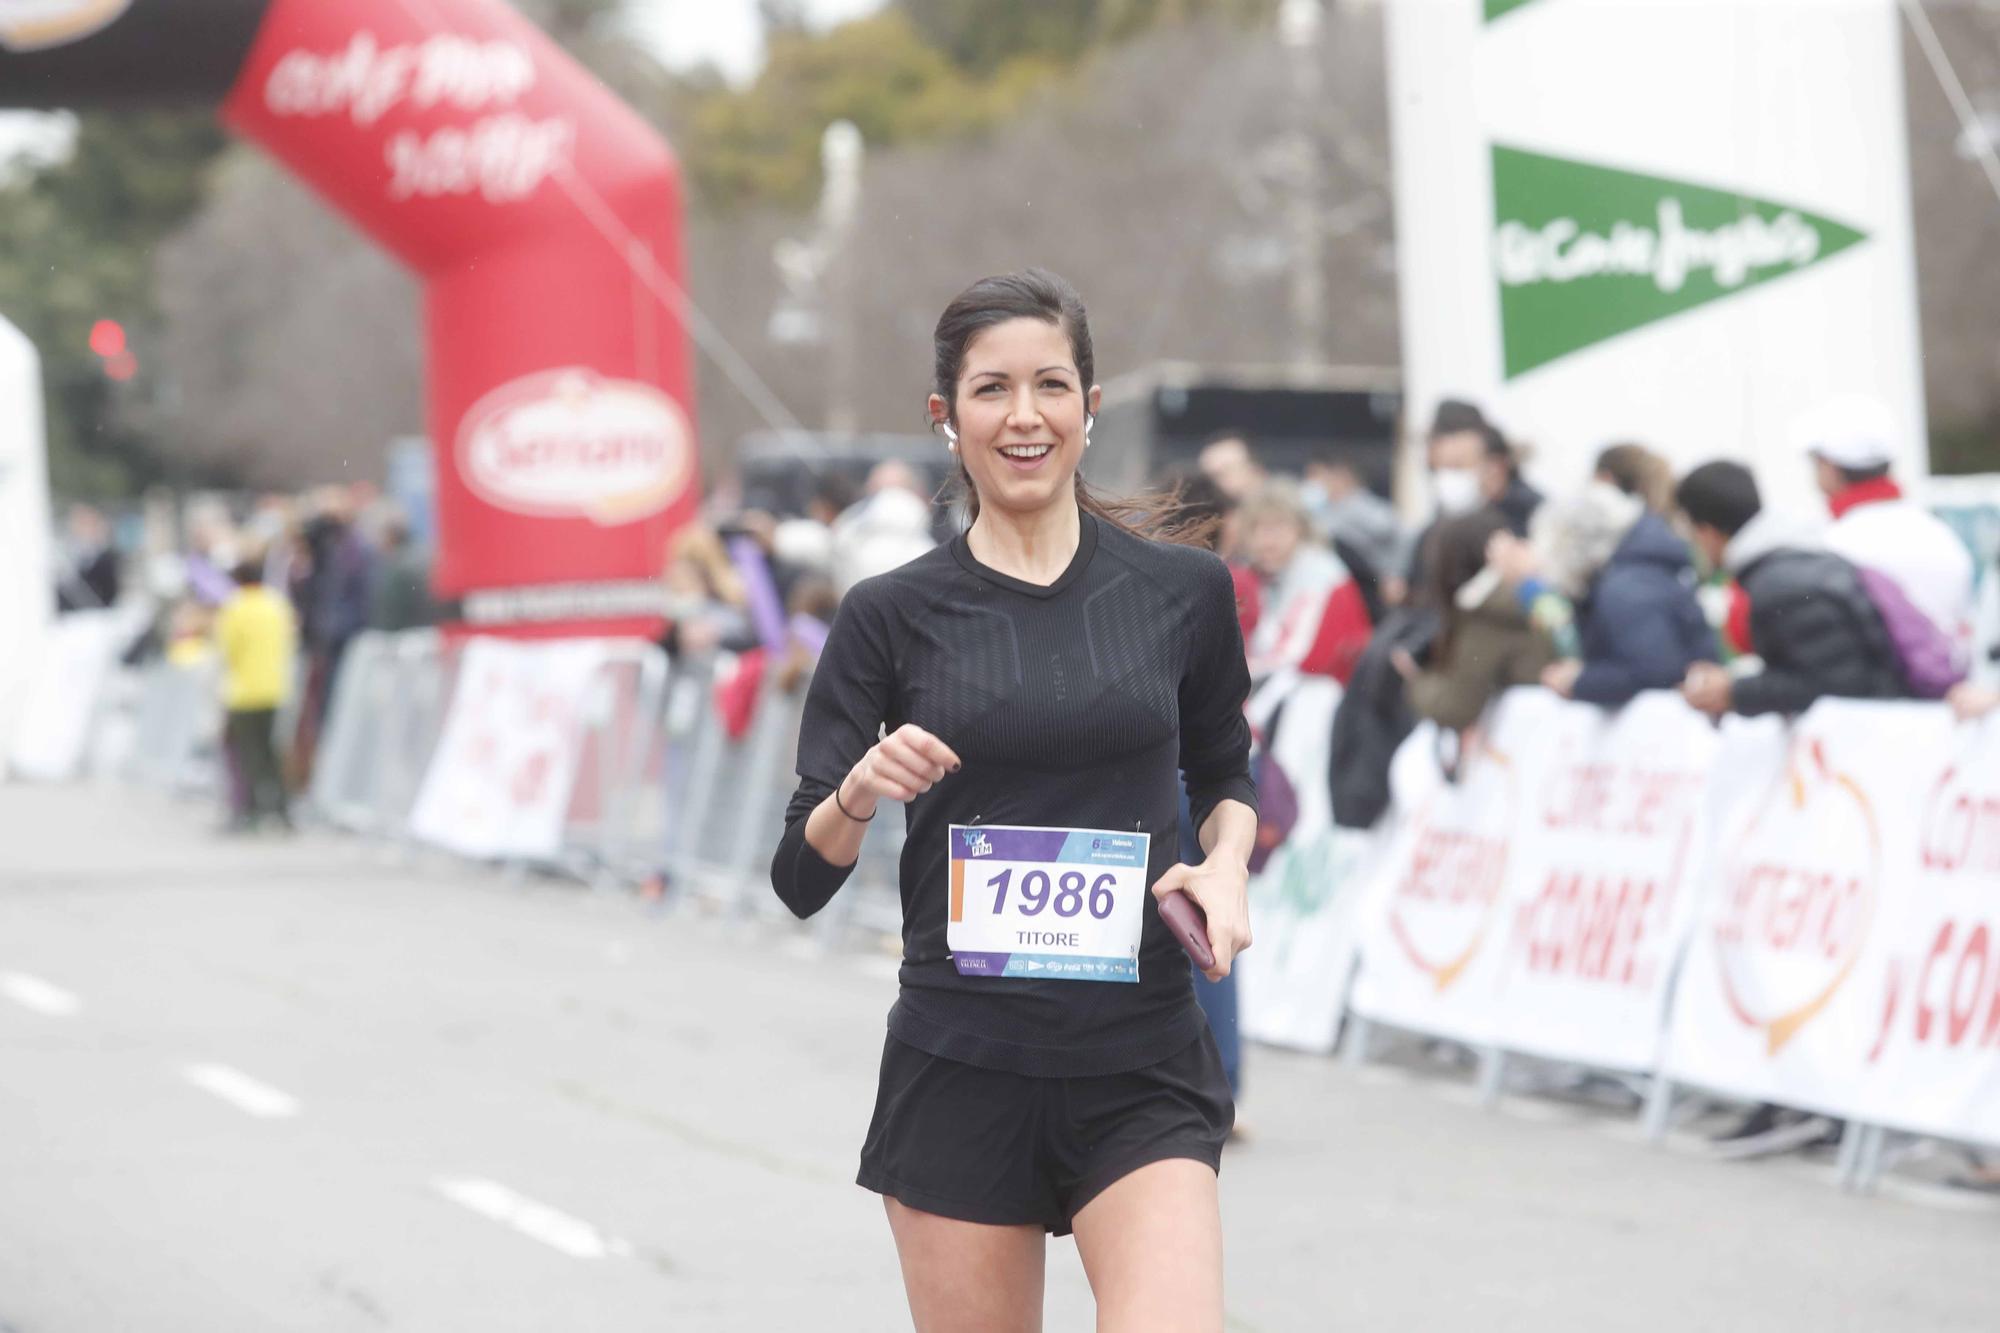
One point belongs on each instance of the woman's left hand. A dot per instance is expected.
(1220, 886)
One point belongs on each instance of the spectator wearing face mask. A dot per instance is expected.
(1471, 464)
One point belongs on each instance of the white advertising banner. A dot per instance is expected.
(62, 687)
(1302, 901)
(499, 784)
(1683, 222)
(1539, 902)
(27, 576)
(1846, 958)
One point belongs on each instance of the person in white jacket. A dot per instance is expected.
(1875, 526)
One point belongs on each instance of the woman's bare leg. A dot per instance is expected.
(1152, 1248)
(966, 1277)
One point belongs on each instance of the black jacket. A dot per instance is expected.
(1812, 623)
(1640, 626)
(1373, 719)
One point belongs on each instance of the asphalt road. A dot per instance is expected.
(297, 1084)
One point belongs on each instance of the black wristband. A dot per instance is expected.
(843, 809)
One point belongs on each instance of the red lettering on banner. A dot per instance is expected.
(1954, 985)
(1589, 926)
(1789, 909)
(1962, 833)
(1939, 947)
(1604, 798)
(1964, 1003)
(1454, 868)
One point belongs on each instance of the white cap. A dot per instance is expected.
(1850, 432)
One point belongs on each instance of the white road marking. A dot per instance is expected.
(241, 1091)
(38, 995)
(557, 1230)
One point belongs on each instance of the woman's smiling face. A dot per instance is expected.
(1020, 414)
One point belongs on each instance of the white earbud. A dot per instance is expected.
(950, 434)
(1089, 420)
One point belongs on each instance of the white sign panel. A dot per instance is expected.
(1677, 221)
(499, 784)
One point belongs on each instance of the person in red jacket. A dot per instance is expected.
(1314, 619)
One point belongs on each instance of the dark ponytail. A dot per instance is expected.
(1039, 294)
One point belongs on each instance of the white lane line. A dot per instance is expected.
(557, 1230)
(241, 1091)
(38, 995)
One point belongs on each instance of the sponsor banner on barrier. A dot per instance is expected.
(499, 783)
(1538, 902)
(1302, 902)
(1845, 958)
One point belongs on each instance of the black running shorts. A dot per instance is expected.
(1007, 1149)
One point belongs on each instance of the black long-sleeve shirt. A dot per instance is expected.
(1076, 705)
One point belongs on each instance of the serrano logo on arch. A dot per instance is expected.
(1800, 886)
(570, 443)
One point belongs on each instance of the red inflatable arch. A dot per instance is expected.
(542, 214)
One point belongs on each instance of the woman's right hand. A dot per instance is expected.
(906, 763)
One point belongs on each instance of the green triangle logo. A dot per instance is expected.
(1499, 8)
(1584, 253)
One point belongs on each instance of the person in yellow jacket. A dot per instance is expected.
(257, 633)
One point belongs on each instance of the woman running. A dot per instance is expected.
(1033, 691)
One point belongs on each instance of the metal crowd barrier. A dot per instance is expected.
(176, 728)
(659, 783)
(726, 801)
(621, 731)
(380, 728)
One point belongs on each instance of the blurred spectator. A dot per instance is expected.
(1202, 501)
(256, 633)
(890, 526)
(1471, 464)
(211, 553)
(1876, 529)
(1313, 617)
(333, 576)
(89, 578)
(1485, 644)
(1640, 473)
(1810, 619)
(400, 596)
(707, 606)
(1639, 625)
(343, 568)
(805, 543)
(1227, 461)
(1350, 517)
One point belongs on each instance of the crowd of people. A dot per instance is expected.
(1634, 580)
(273, 593)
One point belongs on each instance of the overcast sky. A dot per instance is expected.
(724, 32)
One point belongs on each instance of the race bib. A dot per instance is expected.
(1062, 904)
